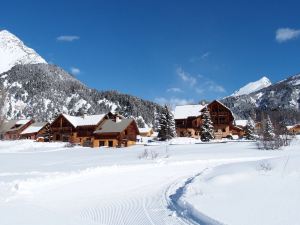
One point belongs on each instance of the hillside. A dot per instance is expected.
(41, 91)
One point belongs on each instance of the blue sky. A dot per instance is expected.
(166, 51)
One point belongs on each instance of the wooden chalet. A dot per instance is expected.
(294, 129)
(186, 122)
(34, 131)
(116, 133)
(77, 129)
(222, 119)
(12, 129)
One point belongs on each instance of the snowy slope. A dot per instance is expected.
(253, 86)
(46, 183)
(13, 52)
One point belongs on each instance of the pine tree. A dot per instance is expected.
(166, 128)
(268, 130)
(47, 135)
(249, 130)
(207, 128)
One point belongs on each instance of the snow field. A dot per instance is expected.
(46, 183)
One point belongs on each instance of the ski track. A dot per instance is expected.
(133, 208)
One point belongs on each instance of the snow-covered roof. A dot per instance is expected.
(22, 122)
(34, 128)
(292, 126)
(185, 111)
(78, 121)
(12, 125)
(145, 130)
(241, 123)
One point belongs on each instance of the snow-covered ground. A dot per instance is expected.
(233, 183)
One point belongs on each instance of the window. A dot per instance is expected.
(223, 130)
(222, 120)
(101, 143)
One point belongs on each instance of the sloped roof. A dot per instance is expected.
(78, 121)
(8, 125)
(145, 130)
(185, 111)
(34, 128)
(241, 123)
(110, 126)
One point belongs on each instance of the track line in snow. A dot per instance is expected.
(181, 209)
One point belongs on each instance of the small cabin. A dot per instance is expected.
(294, 129)
(12, 129)
(116, 133)
(146, 132)
(34, 131)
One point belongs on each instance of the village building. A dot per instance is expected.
(294, 129)
(223, 121)
(186, 122)
(116, 132)
(77, 129)
(36, 130)
(146, 132)
(12, 129)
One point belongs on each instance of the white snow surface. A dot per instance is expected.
(86, 120)
(241, 123)
(13, 52)
(253, 86)
(47, 183)
(185, 111)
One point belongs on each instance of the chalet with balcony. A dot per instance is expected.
(12, 129)
(77, 129)
(223, 120)
(118, 132)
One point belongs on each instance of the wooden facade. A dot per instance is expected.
(295, 129)
(114, 133)
(188, 127)
(34, 131)
(222, 119)
(12, 129)
(146, 132)
(62, 129)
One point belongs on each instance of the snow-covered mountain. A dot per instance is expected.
(39, 90)
(253, 87)
(281, 99)
(14, 52)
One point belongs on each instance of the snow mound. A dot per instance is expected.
(253, 87)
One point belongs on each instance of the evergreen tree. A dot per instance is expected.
(249, 130)
(268, 129)
(207, 128)
(166, 129)
(47, 135)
